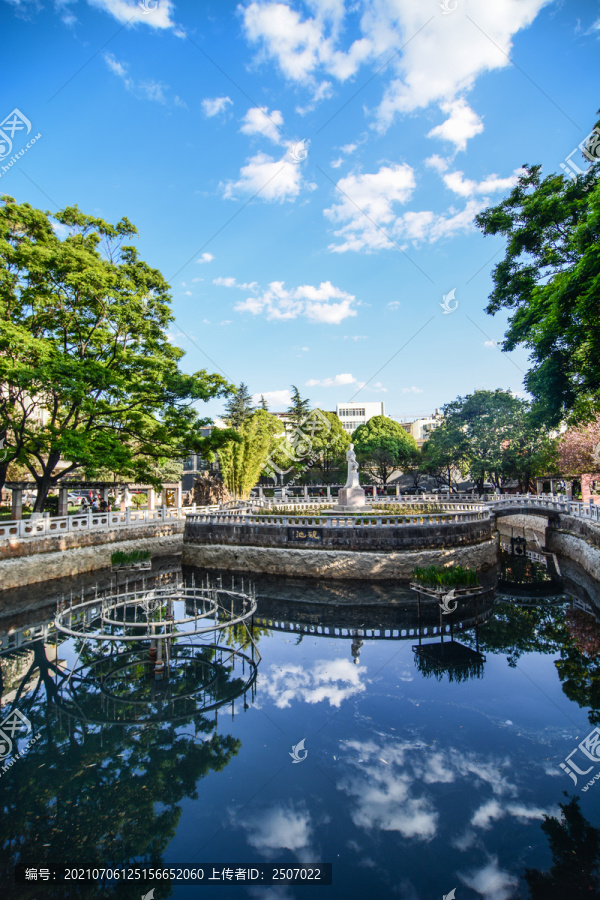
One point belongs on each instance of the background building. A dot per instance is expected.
(351, 415)
(422, 428)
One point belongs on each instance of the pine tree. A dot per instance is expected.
(239, 406)
(299, 408)
(263, 404)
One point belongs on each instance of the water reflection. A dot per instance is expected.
(418, 772)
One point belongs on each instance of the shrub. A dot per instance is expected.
(446, 576)
(121, 558)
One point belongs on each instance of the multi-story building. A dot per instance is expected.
(351, 415)
(422, 428)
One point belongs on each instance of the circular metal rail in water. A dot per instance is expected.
(138, 615)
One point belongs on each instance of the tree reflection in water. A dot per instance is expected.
(106, 794)
(575, 847)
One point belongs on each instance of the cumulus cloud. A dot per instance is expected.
(134, 13)
(461, 125)
(325, 681)
(259, 120)
(369, 221)
(231, 282)
(430, 64)
(213, 106)
(412, 390)
(466, 187)
(205, 258)
(491, 882)
(335, 381)
(325, 303)
(273, 179)
(367, 201)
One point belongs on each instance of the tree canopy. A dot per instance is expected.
(239, 406)
(88, 374)
(550, 281)
(497, 436)
(242, 461)
(383, 446)
(299, 408)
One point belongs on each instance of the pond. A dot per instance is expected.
(417, 756)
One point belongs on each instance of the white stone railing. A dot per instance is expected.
(464, 512)
(50, 526)
(557, 503)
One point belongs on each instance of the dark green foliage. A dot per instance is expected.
(549, 281)
(238, 407)
(446, 576)
(121, 558)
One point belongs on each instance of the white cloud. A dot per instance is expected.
(336, 381)
(490, 344)
(259, 120)
(154, 90)
(336, 163)
(134, 13)
(213, 106)
(348, 148)
(205, 258)
(412, 390)
(394, 304)
(115, 66)
(326, 680)
(326, 303)
(436, 162)
(278, 828)
(466, 187)
(231, 282)
(491, 882)
(366, 199)
(432, 64)
(461, 125)
(151, 90)
(278, 400)
(273, 180)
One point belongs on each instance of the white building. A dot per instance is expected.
(351, 415)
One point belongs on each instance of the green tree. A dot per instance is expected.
(242, 461)
(88, 375)
(549, 280)
(298, 408)
(330, 447)
(263, 403)
(383, 446)
(444, 456)
(486, 420)
(239, 406)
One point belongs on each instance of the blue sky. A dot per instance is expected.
(305, 174)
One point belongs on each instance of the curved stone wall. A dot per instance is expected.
(388, 564)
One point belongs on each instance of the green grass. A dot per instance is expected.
(443, 577)
(120, 558)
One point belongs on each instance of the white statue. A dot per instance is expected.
(352, 480)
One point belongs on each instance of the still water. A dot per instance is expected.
(417, 759)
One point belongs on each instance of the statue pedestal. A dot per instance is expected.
(352, 497)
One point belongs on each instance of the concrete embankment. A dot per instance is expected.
(34, 560)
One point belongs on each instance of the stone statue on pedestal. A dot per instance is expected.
(352, 480)
(351, 495)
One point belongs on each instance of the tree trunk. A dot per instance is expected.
(3, 471)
